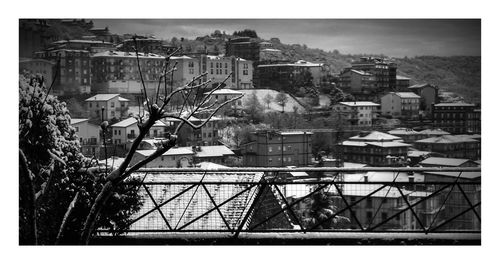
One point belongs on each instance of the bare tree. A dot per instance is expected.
(281, 99)
(196, 101)
(268, 99)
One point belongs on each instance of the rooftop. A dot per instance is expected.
(444, 161)
(435, 132)
(191, 204)
(124, 54)
(383, 176)
(375, 136)
(421, 85)
(399, 77)
(403, 131)
(132, 121)
(300, 63)
(102, 97)
(226, 91)
(361, 72)
(446, 139)
(453, 104)
(78, 120)
(471, 175)
(407, 95)
(360, 103)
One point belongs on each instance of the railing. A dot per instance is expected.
(243, 202)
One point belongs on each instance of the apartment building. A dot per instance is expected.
(360, 113)
(401, 104)
(278, 148)
(107, 106)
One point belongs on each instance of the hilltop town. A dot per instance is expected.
(282, 110)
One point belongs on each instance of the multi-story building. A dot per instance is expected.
(125, 131)
(384, 72)
(359, 112)
(219, 67)
(186, 156)
(452, 146)
(359, 83)
(457, 118)
(89, 136)
(73, 70)
(145, 45)
(93, 46)
(243, 47)
(208, 135)
(278, 148)
(402, 83)
(376, 149)
(103, 34)
(407, 134)
(38, 66)
(286, 76)
(118, 72)
(401, 104)
(428, 96)
(114, 106)
(187, 69)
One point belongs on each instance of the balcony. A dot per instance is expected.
(262, 206)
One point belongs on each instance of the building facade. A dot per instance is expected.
(359, 83)
(114, 106)
(375, 149)
(219, 67)
(38, 66)
(457, 118)
(286, 76)
(243, 47)
(74, 76)
(278, 148)
(401, 104)
(118, 72)
(89, 136)
(452, 146)
(428, 96)
(360, 113)
(383, 70)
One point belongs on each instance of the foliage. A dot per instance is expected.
(337, 95)
(253, 108)
(52, 151)
(319, 214)
(246, 33)
(281, 99)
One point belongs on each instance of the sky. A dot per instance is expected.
(392, 37)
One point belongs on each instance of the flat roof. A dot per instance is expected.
(102, 97)
(359, 103)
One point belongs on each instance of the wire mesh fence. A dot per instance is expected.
(239, 201)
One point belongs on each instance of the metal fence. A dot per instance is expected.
(236, 201)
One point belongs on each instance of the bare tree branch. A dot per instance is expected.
(64, 222)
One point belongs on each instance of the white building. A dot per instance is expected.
(361, 112)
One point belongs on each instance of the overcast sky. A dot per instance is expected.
(396, 38)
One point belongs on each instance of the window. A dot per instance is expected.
(76, 129)
(90, 105)
(270, 160)
(270, 149)
(112, 104)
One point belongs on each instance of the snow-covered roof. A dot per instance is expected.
(124, 54)
(359, 103)
(375, 136)
(407, 95)
(102, 97)
(446, 139)
(132, 121)
(453, 104)
(444, 161)
(225, 91)
(75, 121)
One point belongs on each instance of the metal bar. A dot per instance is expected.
(346, 208)
(380, 205)
(405, 231)
(158, 208)
(349, 207)
(191, 199)
(469, 202)
(209, 211)
(290, 208)
(408, 208)
(456, 216)
(252, 206)
(160, 205)
(308, 182)
(315, 169)
(412, 211)
(216, 206)
(445, 200)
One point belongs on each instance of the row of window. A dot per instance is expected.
(285, 159)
